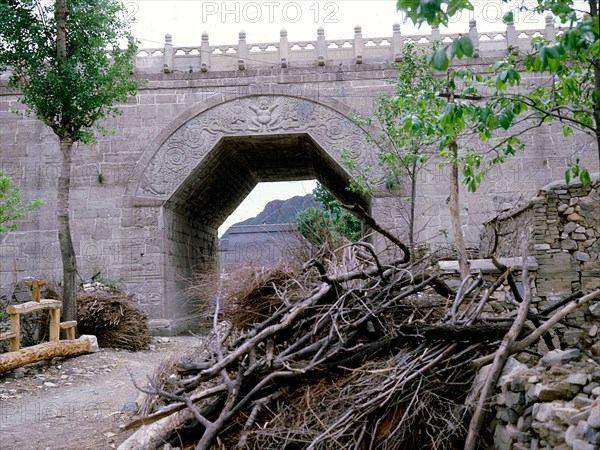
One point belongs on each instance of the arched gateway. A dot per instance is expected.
(198, 170)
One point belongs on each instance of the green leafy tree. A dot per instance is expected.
(572, 95)
(404, 147)
(330, 224)
(66, 61)
(11, 204)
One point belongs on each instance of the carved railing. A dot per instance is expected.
(321, 52)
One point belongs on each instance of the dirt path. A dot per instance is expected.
(76, 403)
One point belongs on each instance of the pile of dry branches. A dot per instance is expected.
(114, 319)
(360, 355)
(110, 315)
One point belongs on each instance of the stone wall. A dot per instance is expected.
(552, 404)
(192, 144)
(562, 224)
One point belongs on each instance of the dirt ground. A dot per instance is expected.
(80, 402)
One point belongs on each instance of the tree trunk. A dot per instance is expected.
(454, 207)
(69, 311)
(411, 218)
(454, 202)
(594, 13)
(41, 352)
(60, 15)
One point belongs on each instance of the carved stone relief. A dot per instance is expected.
(184, 149)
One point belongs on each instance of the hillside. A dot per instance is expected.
(280, 211)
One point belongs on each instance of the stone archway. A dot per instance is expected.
(198, 174)
(178, 155)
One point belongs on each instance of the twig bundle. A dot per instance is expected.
(114, 319)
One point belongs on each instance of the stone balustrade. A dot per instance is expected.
(322, 51)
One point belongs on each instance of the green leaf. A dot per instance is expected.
(466, 46)
(439, 59)
(584, 177)
(509, 17)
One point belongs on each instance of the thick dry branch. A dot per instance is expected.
(499, 359)
(541, 330)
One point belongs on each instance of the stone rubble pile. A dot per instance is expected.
(553, 405)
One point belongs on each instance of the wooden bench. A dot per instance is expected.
(37, 304)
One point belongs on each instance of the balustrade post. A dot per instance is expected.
(168, 54)
(242, 51)
(550, 30)
(284, 48)
(435, 34)
(359, 45)
(512, 38)
(204, 53)
(321, 47)
(474, 35)
(396, 43)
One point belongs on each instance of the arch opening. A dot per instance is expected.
(216, 187)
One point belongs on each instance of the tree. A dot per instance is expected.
(330, 224)
(66, 62)
(403, 146)
(421, 119)
(11, 207)
(572, 97)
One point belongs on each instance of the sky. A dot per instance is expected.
(262, 21)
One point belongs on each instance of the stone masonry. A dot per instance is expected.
(211, 122)
(562, 224)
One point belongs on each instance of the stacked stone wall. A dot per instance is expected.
(562, 225)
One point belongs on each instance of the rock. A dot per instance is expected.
(582, 256)
(524, 422)
(570, 435)
(568, 244)
(511, 369)
(502, 439)
(19, 372)
(592, 436)
(507, 415)
(130, 405)
(579, 236)
(580, 229)
(579, 444)
(594, 418)
(562, 208)
(565, 413)
(93, 342)
(555, 391)
(570, 210)
(570, 227)
(579, 378)
(50, 384)
(555, 357)
(582, 401)
(543, 412)
(593, 331)
(574, 217)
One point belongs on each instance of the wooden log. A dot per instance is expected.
(54, 329)
(40, 352)
(36, 286)
(15, 327)
(28, 307)
(70, 326)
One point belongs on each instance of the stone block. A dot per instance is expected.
(594, 417)
(556, 357)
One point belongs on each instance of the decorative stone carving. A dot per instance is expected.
(265, 114)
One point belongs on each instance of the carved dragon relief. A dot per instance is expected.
(185, 148)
